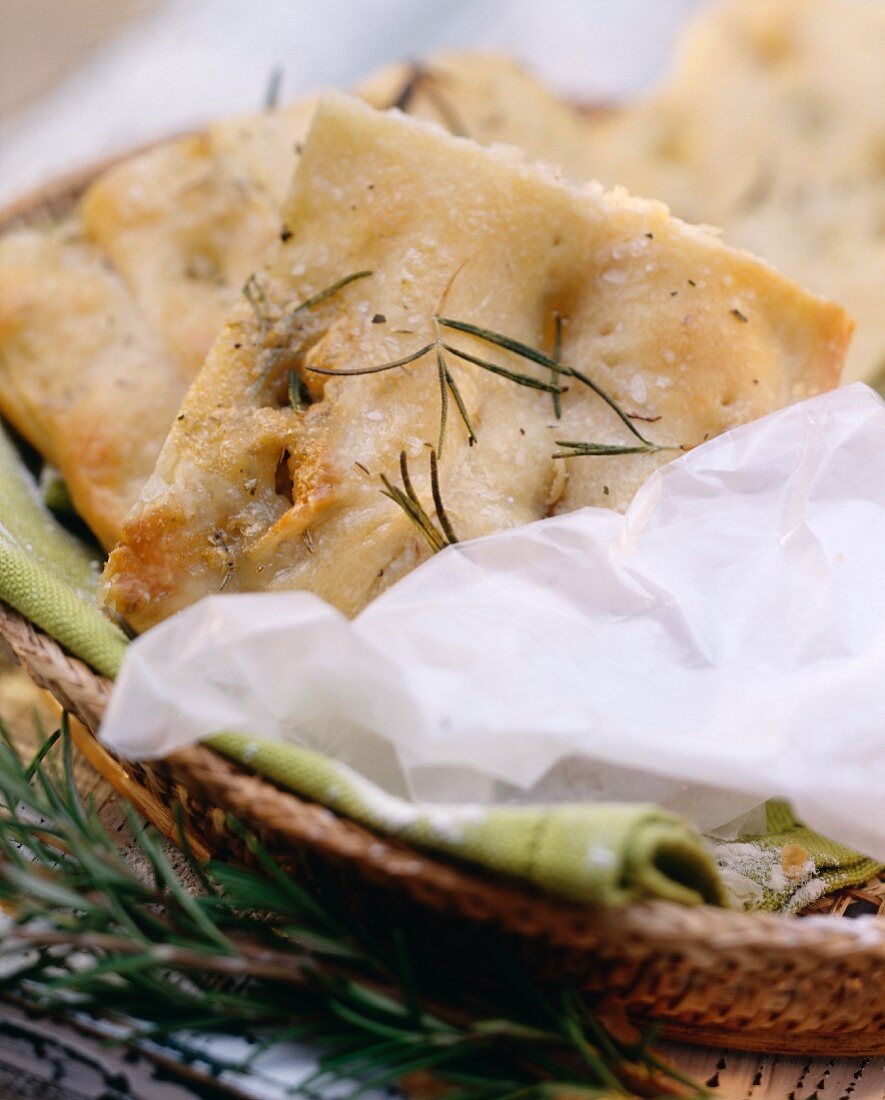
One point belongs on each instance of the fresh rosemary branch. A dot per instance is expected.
(248, 948)
(447, 383)
(436, 537)
(556, 368)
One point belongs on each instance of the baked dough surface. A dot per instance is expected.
(771, 126)
(83, 375)
(253, 491)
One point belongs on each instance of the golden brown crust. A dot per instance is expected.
(80, 371)
(681, 330)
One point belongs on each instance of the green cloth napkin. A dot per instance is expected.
(47, 575)
(603, 854)
(788, 866)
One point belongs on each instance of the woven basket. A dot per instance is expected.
(753, 982)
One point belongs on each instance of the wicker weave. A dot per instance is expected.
(755, 982)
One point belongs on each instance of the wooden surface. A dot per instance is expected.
(54, 1062)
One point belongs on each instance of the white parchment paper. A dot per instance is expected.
(721, 643)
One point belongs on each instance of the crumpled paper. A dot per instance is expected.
(721, 643)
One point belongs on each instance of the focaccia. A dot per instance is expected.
(492, 99)
(657, 334)
(772, 127)
(81, 371)
(184, 225)
(188, 221)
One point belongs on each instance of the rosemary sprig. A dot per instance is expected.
(246, 948)
(536, 356)
(558, 371)
(436, 537)
(447, 383)
(646, 446)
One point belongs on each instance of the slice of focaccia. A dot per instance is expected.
(492, 99)
(81, 371)
(105, 319)
(187, 222)
(772, 126)
(492, 284)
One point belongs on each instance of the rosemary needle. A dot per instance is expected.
(379, 367)
(557, 355)
(612, 404)
(441, 514)
(512, 376)
(443, 396)
(257, 299)
(505, 342)
(296, 391)
(322, 295)
(462, 408)
(577, 448)
(274, 83)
